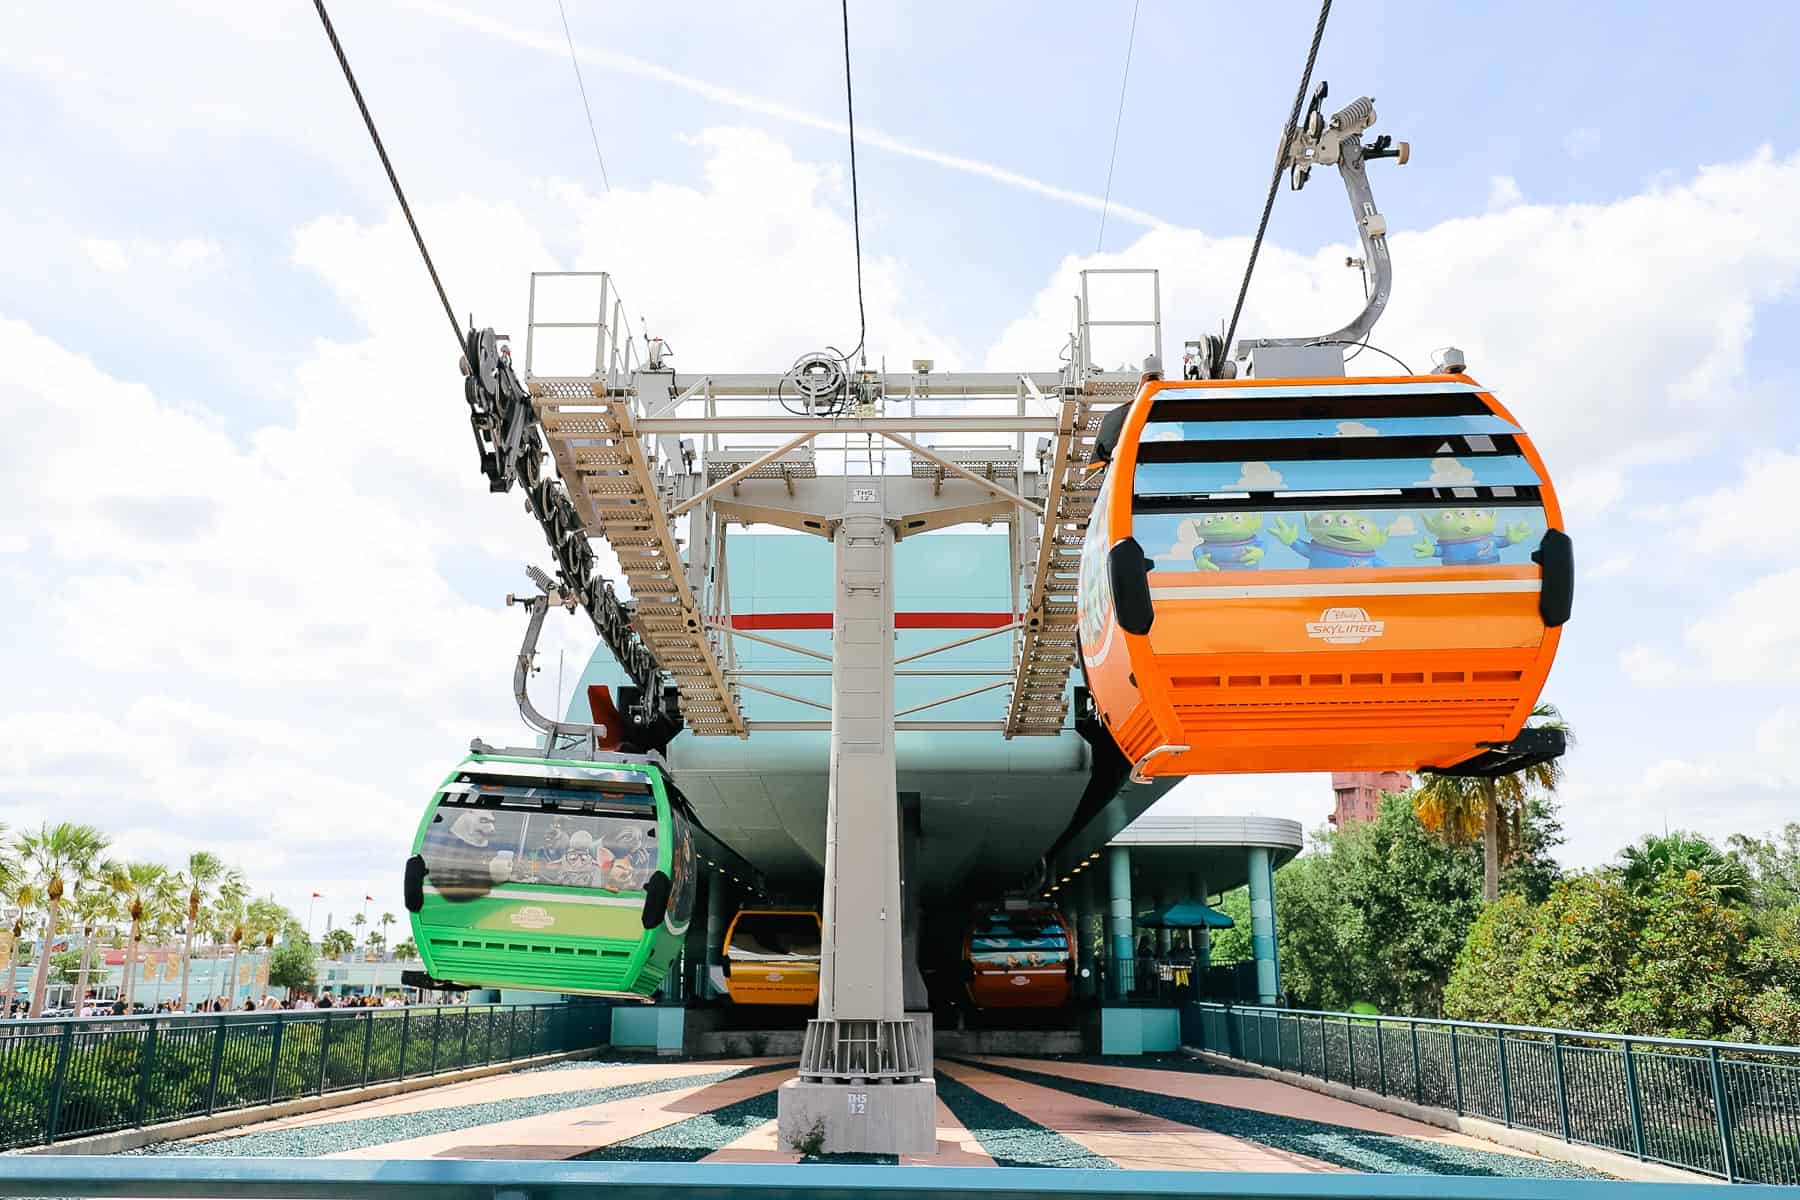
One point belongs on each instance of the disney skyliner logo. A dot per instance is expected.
(1345, 626)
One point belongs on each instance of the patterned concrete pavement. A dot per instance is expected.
(1140, 1114)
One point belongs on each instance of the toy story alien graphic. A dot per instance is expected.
(1227, 541)
(1467, 536)
(1338, 539)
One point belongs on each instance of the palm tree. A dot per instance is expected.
(387, 919)
(229, 917)
(263, 919)
(204, 873)
(1688, 854)
(406, 951)
(23, 897)
(338, 942)
(56, 855)
(164, 913)
(135, 887)
(96, 905)
(1491, 809)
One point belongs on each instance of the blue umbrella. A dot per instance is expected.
(1186, 914)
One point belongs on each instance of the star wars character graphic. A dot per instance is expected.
(1468, 536)
(1337, 539)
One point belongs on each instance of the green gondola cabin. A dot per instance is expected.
(553, 875)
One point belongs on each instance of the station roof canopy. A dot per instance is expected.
(1177, 857)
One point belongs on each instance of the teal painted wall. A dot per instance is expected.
(1139, 1030)
(643, 1027)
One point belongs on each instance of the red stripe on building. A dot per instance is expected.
(906, 620)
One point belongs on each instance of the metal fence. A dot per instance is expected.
(66, 1079)
(1719, 1108)
(450, 1179)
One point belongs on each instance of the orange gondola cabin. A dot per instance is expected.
(1019, 957)
(1321, 574)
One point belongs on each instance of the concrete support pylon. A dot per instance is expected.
(1122, 970)
(1262, 926)
(861, 1087)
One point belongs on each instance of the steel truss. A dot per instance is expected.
(638, 448)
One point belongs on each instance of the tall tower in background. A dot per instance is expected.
(1359, 793)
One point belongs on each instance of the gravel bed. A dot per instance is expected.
(1010, 1138)
(1357, 1149)
(310, 1141)
(693, 1139)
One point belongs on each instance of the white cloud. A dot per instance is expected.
(1503, 193)
(1403, 526)
(1778, 740)
(105, 254)
(1737, 517)
(1448, 472)
(266, 623)
(182, 254)
(549, 44)
(1613, 564)
(1356, 429)
(1715, 798)
(1537, 296)
(1752, 637)
(1649, 665)
(1257, 477)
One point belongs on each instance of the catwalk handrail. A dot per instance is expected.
(1728, 1109)
(453, 1179)
(73, 1077)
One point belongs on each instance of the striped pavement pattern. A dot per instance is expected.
(1136, 1114)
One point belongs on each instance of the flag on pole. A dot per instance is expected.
(368, 897)
(317, 895)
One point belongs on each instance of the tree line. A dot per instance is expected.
(1677, 937)
(62, 880)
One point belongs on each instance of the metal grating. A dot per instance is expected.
(1047, 651)
(600, 457)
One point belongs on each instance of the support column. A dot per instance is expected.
(1072, 913)
(1122, 970)
(1162, 935)
(859, 1088)
(715, 929)
(1262, 926)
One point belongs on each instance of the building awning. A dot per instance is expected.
(1185, 914)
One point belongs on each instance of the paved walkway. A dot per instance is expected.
(1137, 1114)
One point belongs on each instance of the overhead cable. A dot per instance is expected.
(862, 321)
(1287, 133)
(393, 179)
(1118, 120)
(576, 63)
(594, 134)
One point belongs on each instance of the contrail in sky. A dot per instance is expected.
(625, 64)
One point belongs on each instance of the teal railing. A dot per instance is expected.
(70, 1078)
(1719, 1108)
(450, 1179)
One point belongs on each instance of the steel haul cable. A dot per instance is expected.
(1118, 121)
(1287, 133)
(862, 321)
(393, 179)
(576, 63)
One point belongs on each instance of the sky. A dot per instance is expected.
(250, 575)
